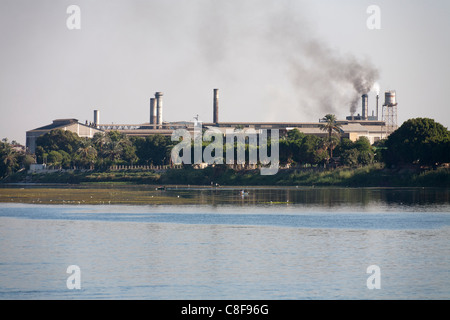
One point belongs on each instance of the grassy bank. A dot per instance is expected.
(91, 196)
(369, 176)
(77, 177)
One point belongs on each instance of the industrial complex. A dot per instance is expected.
(372, 126)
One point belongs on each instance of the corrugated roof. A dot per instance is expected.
(58, 124)
(354, 127)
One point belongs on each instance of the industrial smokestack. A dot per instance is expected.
(96, 118)
(152, 111)
(365, 107)
(159, 108)
(216, 106)
(377, 106)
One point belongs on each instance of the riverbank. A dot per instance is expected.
(369, 176)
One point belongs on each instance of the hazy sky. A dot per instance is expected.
(272, 60)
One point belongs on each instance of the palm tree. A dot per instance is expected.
(9, 157)
(112, 150)
(86, 153)
(330, 144)
(99, 140)
(330, 124)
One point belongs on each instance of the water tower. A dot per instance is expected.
(389, 115)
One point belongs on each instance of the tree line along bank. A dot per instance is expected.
(419, 142)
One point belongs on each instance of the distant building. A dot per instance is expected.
(373, 130)
(352, 128)
(82, 130)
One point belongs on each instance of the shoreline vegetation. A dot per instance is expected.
(376, 175)
(415, 155)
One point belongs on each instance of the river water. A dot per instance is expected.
(271, 243)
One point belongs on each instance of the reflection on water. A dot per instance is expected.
(218, 196)
(268, 244)
(316, 196)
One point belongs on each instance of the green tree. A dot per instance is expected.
(8, 159)
(349, 157)
(26, 159)
(86, 155)
(285, 150)
(295, 135)
(345, 144)
(363, 144)
(379, 147)
(115, 147)
(99, 141)
(331, 126)
(55, 158)
(154, 149)
(366, 157)
(13, 159)
(57, 140)
(356, 153)
(112, 151)
(312, 150)
(67, 160)
(366, 153)
(295, 140)
(419, 141)
(128, 151)
(290, 147)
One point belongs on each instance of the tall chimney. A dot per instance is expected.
(216, 106)
(96, 118)
(377, 107)
(365, 107)
(159, 108)
(152, 111)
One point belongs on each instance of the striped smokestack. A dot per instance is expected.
(365, 107)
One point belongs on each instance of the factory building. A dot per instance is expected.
(82, 130)
(353, 127)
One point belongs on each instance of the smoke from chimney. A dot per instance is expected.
(322, 78)
(331, 81)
